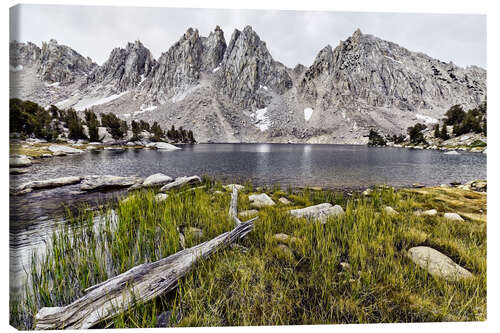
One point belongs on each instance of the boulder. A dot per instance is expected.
(161, 146)
(453, 217)
(260, 200)
(367, 192)
(284, 201)
(104, 135)
(198, 233)
(479, 185)
(390, 211)
(18, 171)
(285, 251)
(436, 263)
(248, 213)
(161, 197)
(156, 180)
(180, 181)
(319, 212)
(101, 182)
(231, 186)
(47, 183)
(284, 238)
(19, 161)
(417, 185)
(64, 149)
(430, 212)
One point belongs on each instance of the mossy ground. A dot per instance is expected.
(267, 285)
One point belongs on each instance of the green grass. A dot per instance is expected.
(267, 285)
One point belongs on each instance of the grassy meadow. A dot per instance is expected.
(352, 269)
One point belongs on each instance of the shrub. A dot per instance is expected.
(416, 135)
(375, 139)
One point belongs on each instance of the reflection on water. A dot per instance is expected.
(330, 166)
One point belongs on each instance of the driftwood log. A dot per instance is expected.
(142, 283)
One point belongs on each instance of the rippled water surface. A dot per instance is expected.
(329, 166)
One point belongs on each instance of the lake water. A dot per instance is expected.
(327, 166)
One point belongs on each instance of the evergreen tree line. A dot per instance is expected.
(472, 121)
(30, 119)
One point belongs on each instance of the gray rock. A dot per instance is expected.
(19, 161)
(47, 183)
(101, 182)
(430, 212)
(231, 186)
(260, 200)
(125, 67)
(60, 63)
(390, 211)
(437, 263)
(161, 197)
(162, 146)
(167, 318)
(55, 149)
(284, 201)
(281, 237)
(248, 213)
(285, 251)
(195, 232)
(453, 217)
(319, 212)
(18, 171)
(156, 180)
(367, 192)
(181, 181)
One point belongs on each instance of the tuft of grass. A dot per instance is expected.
(274, 283)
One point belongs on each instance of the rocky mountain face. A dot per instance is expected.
(125, 68)
(60, 63)
(237, 92)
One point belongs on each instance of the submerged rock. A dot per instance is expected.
(453, 152)
(261, 200)
(319, 212)
(19, 161)
(98, 182)
(453, 217)
(56, 149)
(181, 181)
(437, 263)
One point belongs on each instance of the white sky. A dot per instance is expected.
(291, 36)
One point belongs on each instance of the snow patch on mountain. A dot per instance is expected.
(92, 101)
(18, 68)
(427, 119)
(262, 121)
(308, 113)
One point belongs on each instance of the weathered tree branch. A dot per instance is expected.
(141, 283)
(233, 206)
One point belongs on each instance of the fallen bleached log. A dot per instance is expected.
(139, 284)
